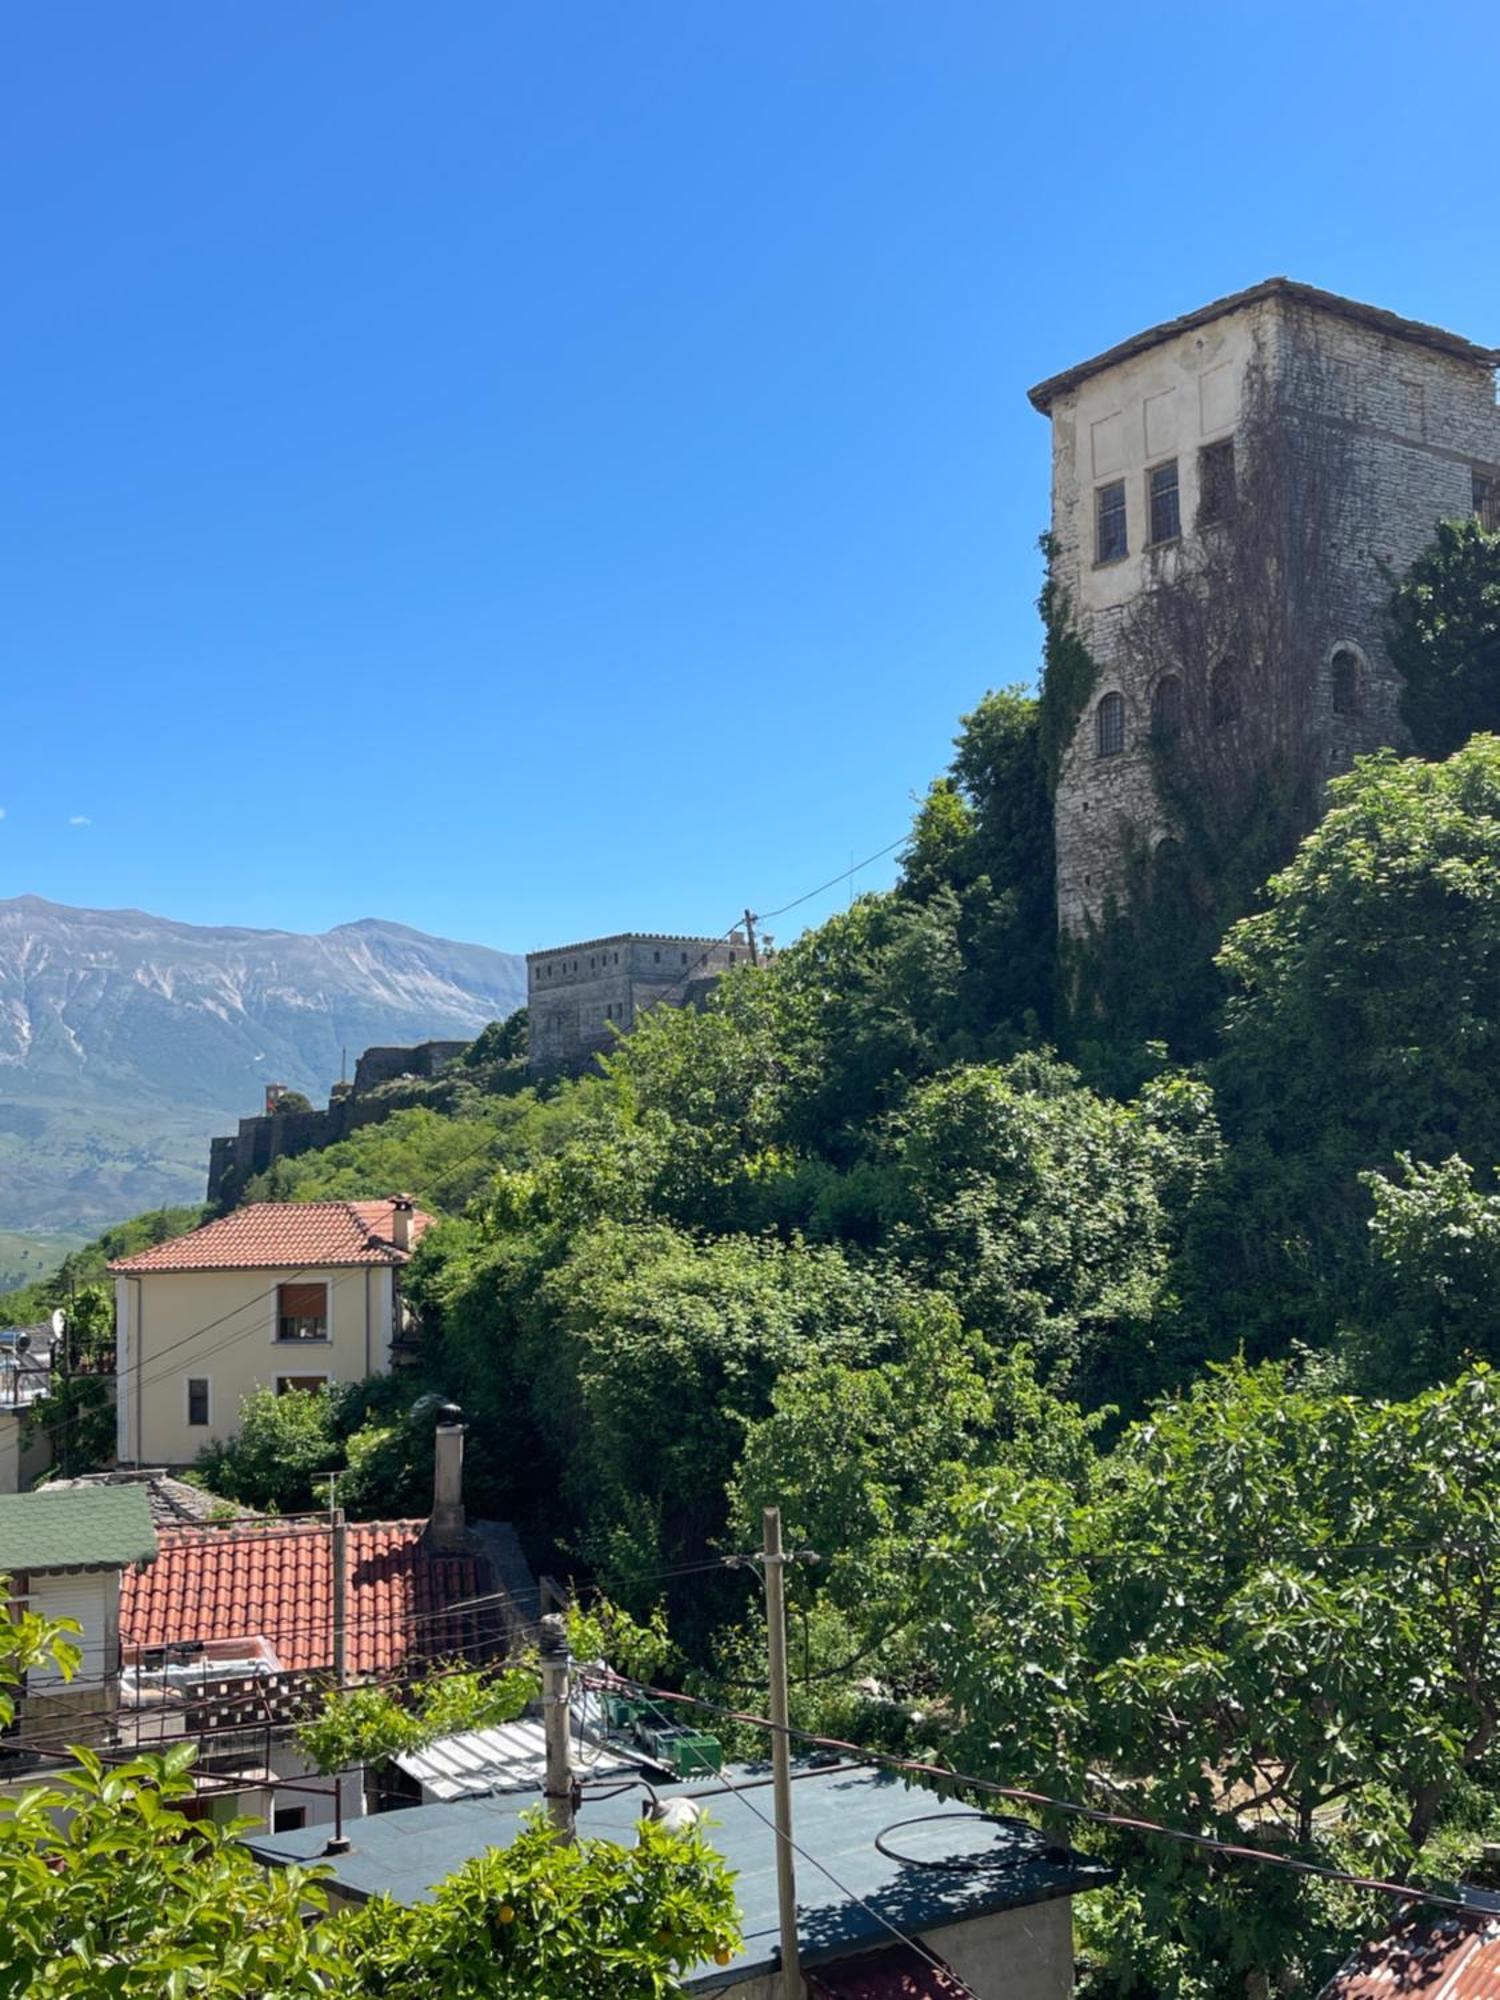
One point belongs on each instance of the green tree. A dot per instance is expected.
(553, 1923)
(280, 1453)
(1444, 638)
(1274, 1610)
(370, 1725)
(1433, 1300)
(1365, 1022)
(1049, 1213)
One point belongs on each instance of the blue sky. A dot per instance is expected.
(534, 471)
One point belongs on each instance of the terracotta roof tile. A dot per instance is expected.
(284, 1235)
(274, 1580)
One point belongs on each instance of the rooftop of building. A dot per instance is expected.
(936, 1863)
(638, 937)
(284, 1235)
(72, 1528)
(273, 1580)
(1045, 394)
(173, 1503)
(1449, 1955)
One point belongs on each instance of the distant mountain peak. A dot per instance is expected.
(127, 1040)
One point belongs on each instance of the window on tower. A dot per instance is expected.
(1111, 541)
(1166, 510)
(1109, 726)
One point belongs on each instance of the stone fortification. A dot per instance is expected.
(1328, 437)
(580, 996)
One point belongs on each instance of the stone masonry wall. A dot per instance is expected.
(1412, 425)
(580, 996)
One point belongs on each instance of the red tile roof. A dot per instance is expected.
(898, 1973)
(285, 1235)
(274, 1580)
(1459, 1960)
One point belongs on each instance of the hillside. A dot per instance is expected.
(128, 1040)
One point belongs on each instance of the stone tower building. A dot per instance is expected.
(1231, 493)
(580, 996)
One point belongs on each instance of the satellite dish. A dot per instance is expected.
(59, 1324)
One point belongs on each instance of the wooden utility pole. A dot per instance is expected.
(750, 934)
(781, 1754)
(557, 1722)
(340, 1539)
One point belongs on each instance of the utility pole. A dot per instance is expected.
(781, 1754)
(340, 1539)
(750, 934)
(557, 1722)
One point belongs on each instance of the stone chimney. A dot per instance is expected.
(402, 1206)
(446, 1528)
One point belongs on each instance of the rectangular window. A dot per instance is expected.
(1166, 515)
(307, 1385)
(1110, 539)
(288, 1819)
(1487, 501)
(302, 1312)
(1215, 483)
(198, 1400)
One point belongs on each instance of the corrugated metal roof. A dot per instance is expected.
(105, 1528)
(1446, 1960)
(511, 1758)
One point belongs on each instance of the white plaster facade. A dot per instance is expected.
(177, 1328)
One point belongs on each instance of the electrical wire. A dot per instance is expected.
(833, 881)
(1070, 1808)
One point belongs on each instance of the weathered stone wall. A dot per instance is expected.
(1409, 425)
(285, 1135)
(580, 996)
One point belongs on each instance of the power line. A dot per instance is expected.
(1044, 1802)
(767, 916)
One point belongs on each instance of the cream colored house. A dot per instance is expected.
(281, 1295)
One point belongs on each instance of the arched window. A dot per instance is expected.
(1166, 708)
(1224, 695)
(1348, 691)
(1109, 726)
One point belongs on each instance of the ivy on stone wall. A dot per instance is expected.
(1070, 672)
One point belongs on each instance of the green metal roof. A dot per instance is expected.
(104, 1527)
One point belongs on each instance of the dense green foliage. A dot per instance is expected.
(1365, 1023)
(367, 1726)
(106, 1888)
(857, 1240)
(1444, 638)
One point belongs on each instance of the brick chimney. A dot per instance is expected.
(446, 1528)
(402, 1206)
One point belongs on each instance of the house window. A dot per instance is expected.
(198, 1400)
(1346, 682)
(1166, 708)
(302, 1312)
(1487, 501)
(1216, 483)
(288, 1819)
(1110, 538)
(1224, 696)
(1109, 726)
(303, 1385)
(1161, 490)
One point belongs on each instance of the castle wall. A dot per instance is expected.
(581, 996)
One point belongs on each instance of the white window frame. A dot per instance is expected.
(187, 1402)
(326, 1280)
(300, 1375)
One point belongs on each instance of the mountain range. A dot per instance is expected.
(128, 1040)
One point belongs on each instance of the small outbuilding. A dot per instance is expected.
(899, 1892)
